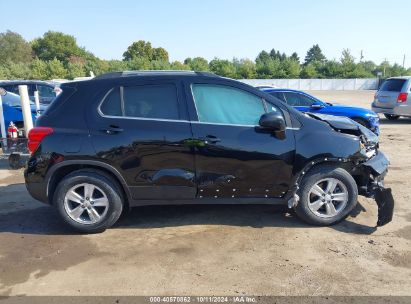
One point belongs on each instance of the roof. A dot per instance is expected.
(24, 82)
(400, 77)
(153, 73)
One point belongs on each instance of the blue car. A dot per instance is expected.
(307, 103)
(12, 111)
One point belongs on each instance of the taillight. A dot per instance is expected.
(36, 135)
(402, 97)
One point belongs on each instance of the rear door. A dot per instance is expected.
(234, 157)
(387, 95)
(141, 129)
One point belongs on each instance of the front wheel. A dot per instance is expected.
(88, 201)
(327, 196)
(391, 116)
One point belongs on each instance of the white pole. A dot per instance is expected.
(37, 100)
(25, 106)
(2, 123)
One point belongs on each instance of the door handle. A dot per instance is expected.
(111, 130)
(210, 139)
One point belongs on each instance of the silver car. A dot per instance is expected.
(393, 99)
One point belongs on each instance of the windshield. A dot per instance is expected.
(12, 100)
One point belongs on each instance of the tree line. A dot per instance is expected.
(56, 55)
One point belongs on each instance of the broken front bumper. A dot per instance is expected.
(375, 170)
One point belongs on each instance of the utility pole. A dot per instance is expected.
(361, 56)
(403, 62)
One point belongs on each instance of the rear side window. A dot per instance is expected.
(298, 100)
(393, 85)
(279, 95)
(151, 101)
(148, 101)
(112, 103)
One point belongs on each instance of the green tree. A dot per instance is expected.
(309, 71)
(197, 64)
(290, 68)
(246, 69)
(160, 54)
(314, 54)
(294, 56)
(159, 65)
(39, 69)
(268, 68)
(263, 56)
(4, 72)
(347, 64)
(56, 45)
(117, 66)
(330, 69)
(139, 63)
(19, 71)
(55, 69)
(223, 68)
(75, 70)
(13, 48)
(139, 49)
(178, 66)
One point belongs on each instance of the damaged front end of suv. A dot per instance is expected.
(366, 163)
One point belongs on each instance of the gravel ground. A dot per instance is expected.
(213, 250)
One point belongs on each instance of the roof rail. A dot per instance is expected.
(152, 72)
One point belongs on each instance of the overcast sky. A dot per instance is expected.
(221, 28)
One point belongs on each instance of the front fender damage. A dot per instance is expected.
(371, 184)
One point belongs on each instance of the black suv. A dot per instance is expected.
(139, 138)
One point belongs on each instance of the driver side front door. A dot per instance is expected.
(234, 157)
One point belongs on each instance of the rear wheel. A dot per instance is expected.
(88, 201)
(327, 196)
(391, 116)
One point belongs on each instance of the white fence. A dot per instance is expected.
(317, 84)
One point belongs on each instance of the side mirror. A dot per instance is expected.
(273, 121)
(317, 106)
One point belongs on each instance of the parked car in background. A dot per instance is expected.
(46, 89)
(142, 138)
(12, 111)
(393, 99)
(308, 103)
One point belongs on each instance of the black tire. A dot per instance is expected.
(313, 177)
(104, 183)
(391, 116)
(15, 161)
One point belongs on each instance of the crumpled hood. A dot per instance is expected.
(347, 125)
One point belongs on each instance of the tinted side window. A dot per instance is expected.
(11, 88)
(298, 100)
(275, 94)
(227, 105)
(111, 105)
(46, 91)
(279, 95)
(393, 85)
(151, 101)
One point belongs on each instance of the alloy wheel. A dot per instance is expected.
(327, 198)
(86, 204)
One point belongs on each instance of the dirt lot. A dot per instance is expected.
(220, 250)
